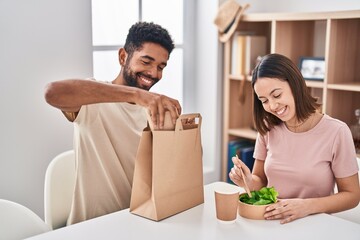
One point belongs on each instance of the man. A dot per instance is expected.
(109, 119)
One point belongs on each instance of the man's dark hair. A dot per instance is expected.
(142, 32)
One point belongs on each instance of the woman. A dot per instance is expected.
(299, 150)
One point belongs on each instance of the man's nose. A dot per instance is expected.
(153, 72)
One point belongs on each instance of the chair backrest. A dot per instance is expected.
(19, 222)
(58, 190)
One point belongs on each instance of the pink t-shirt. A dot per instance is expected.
(305, 165)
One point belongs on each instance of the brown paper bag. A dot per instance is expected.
(168, 176)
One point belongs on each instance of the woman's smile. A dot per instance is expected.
(281, 111)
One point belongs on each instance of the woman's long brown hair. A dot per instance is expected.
(282, 68)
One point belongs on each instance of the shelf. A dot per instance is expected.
(243, 132)
(257, 17)
(315, 84)
(345, 86)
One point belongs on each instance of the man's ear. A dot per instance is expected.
(122, 56)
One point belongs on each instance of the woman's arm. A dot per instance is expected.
(290, 209)
(348, 196)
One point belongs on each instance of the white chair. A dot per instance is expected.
(58, 190)
(19, 222)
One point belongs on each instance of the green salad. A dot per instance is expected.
(265, 195)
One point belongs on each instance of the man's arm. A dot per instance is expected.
(70, 95)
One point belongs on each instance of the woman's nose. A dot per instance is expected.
(273, 105)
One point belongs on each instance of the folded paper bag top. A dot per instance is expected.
(188, 121)
(168, 124)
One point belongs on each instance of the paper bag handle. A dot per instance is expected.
(193, 116)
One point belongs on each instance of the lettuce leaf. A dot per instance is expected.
(265, 195)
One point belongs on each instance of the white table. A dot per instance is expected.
(200, 223)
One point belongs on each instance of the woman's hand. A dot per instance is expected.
(235, 173)
(288, 210)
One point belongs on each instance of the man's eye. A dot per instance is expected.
(146, 63)
(161, 68)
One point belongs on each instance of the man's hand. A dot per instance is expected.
(157, 105)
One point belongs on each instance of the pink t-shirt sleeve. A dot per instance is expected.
(260, 148)
(342, 152)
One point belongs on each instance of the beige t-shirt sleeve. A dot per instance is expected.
(71, 116)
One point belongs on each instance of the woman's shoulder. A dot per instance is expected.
(332, 126)
(331, 121)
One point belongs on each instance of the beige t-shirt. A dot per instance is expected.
(106, 138)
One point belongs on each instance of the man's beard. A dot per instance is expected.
(130, 78)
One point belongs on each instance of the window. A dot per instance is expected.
(111, 21)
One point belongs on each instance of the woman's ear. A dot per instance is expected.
(122, 56)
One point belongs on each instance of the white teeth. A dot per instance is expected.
(146, 80)
(281, 111)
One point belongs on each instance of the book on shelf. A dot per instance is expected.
(245, 50)
(244, 149)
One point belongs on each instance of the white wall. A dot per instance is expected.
(40, 41)
(208, 88)
(44, 40)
